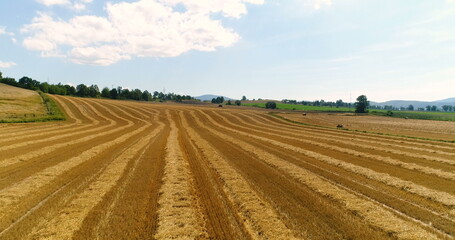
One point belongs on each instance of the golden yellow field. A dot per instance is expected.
(441, 130)
(20, 104)
(132, 170)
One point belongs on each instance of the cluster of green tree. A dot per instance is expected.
(340, 103)
(434, 108)
(448, 108)
(362, 104)
(390, 107)
(83, 90)
(236, 102)
(445, 108)
(218, 100)
(428, 108)
(138, 95)
(270, 105)
(319, 103)
(28, 83)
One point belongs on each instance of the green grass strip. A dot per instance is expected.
(298, 107)
(437, 116)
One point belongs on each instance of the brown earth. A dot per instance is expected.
(132, 170)
(440, 130)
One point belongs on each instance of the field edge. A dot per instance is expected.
(54, 112)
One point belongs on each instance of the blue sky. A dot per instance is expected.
(271, 49)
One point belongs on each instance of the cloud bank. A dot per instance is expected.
(317, 4)
(53, 2)
(145, 28)
(7, 64)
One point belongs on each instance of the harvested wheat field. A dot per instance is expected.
(17, 103)
(441, 130)
(131, 170)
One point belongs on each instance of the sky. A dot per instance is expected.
(269, 49)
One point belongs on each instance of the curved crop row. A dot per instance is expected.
(395, 139)
(441, 197)
(367, 209)
(258, 215)
(351, 138)
(388, 160)
(133, 170)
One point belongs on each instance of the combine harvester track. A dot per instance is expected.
(132, 170)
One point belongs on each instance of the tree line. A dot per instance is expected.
(319, 103)
(361, 105)
(410, 107)
(220, 100)
(340, 103)
(93, 90)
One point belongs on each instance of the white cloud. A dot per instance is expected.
(317, 4)
(7, 64)
(229, 8)
(78, 6)
(53, 2)
(3, 31)
(145, 28)
(103, 56)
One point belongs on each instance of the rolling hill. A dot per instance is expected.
(416, 104)
(209, 97)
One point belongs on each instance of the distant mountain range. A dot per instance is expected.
(416, 104)
(209, 97)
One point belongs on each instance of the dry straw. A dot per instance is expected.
(373, 213)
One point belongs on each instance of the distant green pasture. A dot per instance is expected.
(287, 106)
(440, 116)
